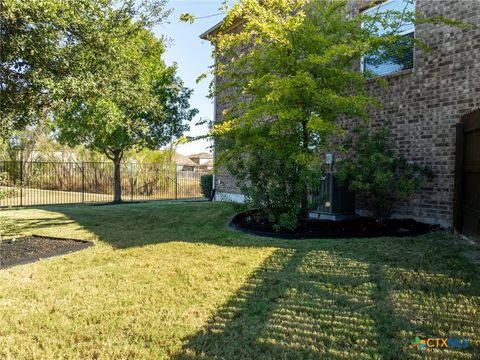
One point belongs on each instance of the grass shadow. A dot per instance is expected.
(291, 309)
(329, 304)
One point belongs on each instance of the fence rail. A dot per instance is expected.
(48, 183)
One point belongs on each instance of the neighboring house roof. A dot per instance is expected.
(202, 155)
(183, 160)
(208, 164)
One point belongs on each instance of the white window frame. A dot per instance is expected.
(406, 32)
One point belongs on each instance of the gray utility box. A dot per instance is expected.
(335, 201)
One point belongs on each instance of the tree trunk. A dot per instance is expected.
(117, 186)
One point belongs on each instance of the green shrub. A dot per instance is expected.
(274, 182)
(206, 184)
(374, 171)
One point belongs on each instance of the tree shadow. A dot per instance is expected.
(319, 304)
(286, 311)
(157, 222)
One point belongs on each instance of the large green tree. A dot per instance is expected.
(94, 68)
(140, 104)
(41, 41)
(288, 78)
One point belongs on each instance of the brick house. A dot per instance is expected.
(426, 97)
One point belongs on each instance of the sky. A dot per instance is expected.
(193, 57)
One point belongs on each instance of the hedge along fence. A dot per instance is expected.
(44, 183)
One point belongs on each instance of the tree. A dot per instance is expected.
(42, 43)
(138, 101)
(288, 93)
(34, 143)
(95, 70)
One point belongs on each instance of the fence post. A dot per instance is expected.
(131, 187)
(176, 183)
(83, 182)
(21, 178)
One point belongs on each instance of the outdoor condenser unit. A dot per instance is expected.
(336, 202)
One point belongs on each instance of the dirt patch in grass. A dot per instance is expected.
(360, 227)
(33, 248)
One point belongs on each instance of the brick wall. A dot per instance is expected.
(424, 104)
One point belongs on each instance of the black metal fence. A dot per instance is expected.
(48, 183)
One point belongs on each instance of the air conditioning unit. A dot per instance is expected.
(334, 200)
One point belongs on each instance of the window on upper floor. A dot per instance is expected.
(387, 61)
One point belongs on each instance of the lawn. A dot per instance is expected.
(171, 281)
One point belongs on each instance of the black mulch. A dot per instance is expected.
(360, 227)
(33, 248)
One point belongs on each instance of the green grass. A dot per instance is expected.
(171, 281)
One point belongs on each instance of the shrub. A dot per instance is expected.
(274, 183)
(374, 171)
(206, 184)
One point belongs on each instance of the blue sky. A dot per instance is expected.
(193, 57)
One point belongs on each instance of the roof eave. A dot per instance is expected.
(213, 29)
(218, 27)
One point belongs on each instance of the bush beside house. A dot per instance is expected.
(376, 173)
(206, 183)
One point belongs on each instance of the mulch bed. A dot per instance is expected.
(33, 248)
(360, 227)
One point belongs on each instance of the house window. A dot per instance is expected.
(399, 57)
